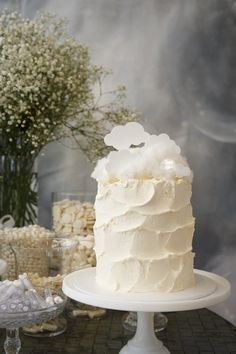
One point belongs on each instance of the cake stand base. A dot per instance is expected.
(209, 289)
(144, 340)
(130, 319)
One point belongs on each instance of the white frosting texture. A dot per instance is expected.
(144, 223)
(143, 235)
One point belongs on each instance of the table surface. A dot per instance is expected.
(188, 332)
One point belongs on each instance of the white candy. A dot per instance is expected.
(30, 245)
(49, 301)
(84, 254)
(26, 299)
(25, 280)
(57, 300)
(72, 217)
(66, 218)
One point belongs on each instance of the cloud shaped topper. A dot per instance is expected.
(123, 136)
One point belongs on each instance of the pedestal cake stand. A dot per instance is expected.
(209, 289)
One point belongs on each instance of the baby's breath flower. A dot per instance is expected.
(47, 85)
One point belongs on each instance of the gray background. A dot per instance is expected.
(177, 59)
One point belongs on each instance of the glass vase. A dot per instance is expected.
(18, 195)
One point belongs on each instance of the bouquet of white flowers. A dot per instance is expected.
(50, 91)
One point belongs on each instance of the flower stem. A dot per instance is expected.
(17, 195)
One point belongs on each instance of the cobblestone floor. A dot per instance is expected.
(189, 332)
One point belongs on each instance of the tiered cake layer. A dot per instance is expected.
(143, 235)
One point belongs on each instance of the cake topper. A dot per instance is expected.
(123, 136)
(140, 155)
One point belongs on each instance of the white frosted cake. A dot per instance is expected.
(144, 224)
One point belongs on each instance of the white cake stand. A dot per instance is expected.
(209, 289)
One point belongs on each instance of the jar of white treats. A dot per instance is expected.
(73, 213)
(73, 218)
(26, 249)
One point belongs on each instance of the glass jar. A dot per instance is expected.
(73, 213)
(25, 260)
(62, 255)
(26, 250)
(3, 267)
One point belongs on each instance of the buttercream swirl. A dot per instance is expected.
(143, 235)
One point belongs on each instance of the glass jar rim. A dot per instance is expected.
(69, 242)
